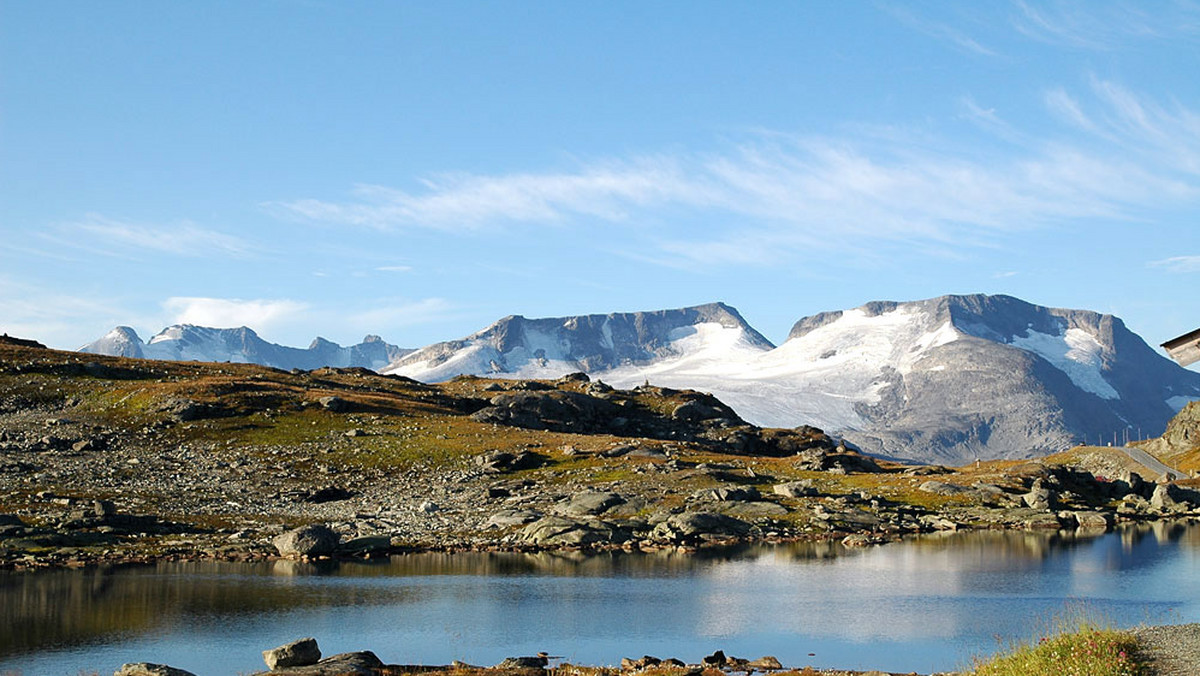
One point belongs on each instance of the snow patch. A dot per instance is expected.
(818, 379)
(1076, 353)
(1179, 401)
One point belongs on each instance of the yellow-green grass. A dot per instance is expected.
(1088, 650)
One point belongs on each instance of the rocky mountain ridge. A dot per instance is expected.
(187, 342)
(948, 379)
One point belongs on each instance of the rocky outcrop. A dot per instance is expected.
(306, 541)
(299, 653)
(149, 669)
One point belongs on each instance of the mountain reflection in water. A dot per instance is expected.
(923, 604)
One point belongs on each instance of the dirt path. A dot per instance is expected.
(1173, 650)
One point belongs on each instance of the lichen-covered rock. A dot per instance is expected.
(148, 669)
(563, 532)
(363, 663)
(795, 489)
(300, 653)
(690, 526)
(590, 503)
(312, 540)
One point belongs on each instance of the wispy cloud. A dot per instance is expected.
(1181, 264)
(108, 236)
(773, 194)
(464, 201)
(394, 268)
(1104, 25)
(938, 30)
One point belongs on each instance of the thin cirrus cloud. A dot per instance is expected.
(116, 237)
(776, 194)
(1103, 26)
(1182, 264)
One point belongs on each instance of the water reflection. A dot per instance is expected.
(927, 599)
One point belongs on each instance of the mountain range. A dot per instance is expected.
(186, 342)
(949, 379)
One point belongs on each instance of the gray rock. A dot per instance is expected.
(590, 503)
(690, 526)
(1133, 505)
(1092, 520)
(538, 662)
(335, 404)
(1038, 498)
(728, 494)
(507, 518)
(313, 540)
(765, 663)
(1166, 500)
(363, 663)
(148, 669)
(943, 488)
(300, 653)
(561, 531)
(754, 509)
(795, 489)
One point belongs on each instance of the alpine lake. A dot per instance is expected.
(926, 604)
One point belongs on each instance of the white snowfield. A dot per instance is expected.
(817, 378)
(1076, 353)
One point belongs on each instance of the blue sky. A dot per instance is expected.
(418, 170)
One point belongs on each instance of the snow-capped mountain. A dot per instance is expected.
(186, 342)
(947, 379)
(516, 347)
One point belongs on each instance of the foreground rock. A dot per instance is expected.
(299, 653)
(148, 669)
(307, 541)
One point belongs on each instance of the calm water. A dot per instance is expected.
(923, 605)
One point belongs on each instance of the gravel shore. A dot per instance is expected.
(1173, 650)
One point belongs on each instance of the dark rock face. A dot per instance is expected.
(314, 540)
(554, 410)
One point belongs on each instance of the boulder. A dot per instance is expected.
(507, 518)
(691, 526)
(1092, 520)
(1133, 505)
(334, 404)
(363, 663)
(754, 509)
(1038, 497)
(538, 661)
(312, 540)
(590, 503)
(557, 531)
(1166, 499)
(300, 653)
(943, 488)
(795, 489)
(728, 494)
(765, 663)
(148, 669)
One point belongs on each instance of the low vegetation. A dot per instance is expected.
(1089, 650)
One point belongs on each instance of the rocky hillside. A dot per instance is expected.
(186, 342)
(115, 459)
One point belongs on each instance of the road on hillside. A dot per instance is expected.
(1151, 463)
